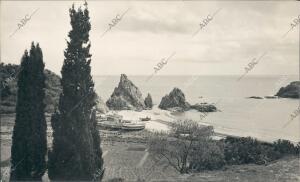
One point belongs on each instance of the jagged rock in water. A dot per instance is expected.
(175, 98)
(204, 107)
(271, 97)
(255, 97)
(126, 96)
(290, 91)
(101, 106)
(175, 102)
(148, 101)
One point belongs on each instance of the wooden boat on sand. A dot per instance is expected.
(116, 122)
(131, 125)
(145, 119)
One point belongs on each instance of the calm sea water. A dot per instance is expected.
(260, 118)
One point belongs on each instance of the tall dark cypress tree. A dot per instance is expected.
(29, 142)
(76, 153)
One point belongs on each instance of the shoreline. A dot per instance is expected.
(165, 118)
(160, 121)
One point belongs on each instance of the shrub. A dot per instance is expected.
(298, 148)
(285, 147)
(249, 150)
(208, 156)
(187, 147)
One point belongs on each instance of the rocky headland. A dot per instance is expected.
(8, 90)
(175, 98)
(126, 96)
(204, 107)
(175, 101)
(290, 91)
(8, 87)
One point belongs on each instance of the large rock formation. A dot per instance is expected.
(204, 107)
(126, 96)
(290, 91)
(175, 98)
(176, 102)
(148, 102)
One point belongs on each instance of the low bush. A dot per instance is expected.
(248, 150)
(189, 147)
(285, 147)
(298, 148)
(208, 157)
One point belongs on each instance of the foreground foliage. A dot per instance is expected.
(189, 147)
(249, 150)
(29, 142)
(76, 153)
(186, 145)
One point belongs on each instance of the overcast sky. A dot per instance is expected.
(150, 31)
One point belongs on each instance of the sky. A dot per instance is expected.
(150, 31)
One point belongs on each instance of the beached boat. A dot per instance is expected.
(110, 121)
(145, 119)
(116, 122)
(101, 117)
(131, 125)
(114, 117)
(110, 125)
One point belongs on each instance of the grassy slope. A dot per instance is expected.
(286, 169)
(123, 160)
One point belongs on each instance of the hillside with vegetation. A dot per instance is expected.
(8, 88)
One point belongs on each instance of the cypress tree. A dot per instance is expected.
(76, 153)
(29, 142)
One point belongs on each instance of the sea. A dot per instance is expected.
(264, 119)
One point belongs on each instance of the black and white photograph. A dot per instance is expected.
(150, 90)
